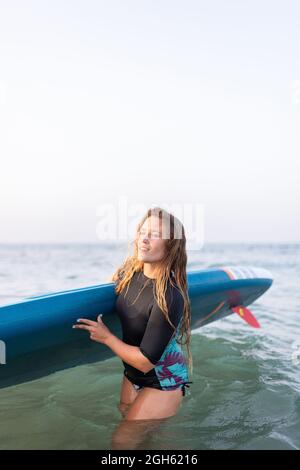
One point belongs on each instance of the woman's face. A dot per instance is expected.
(151, 245)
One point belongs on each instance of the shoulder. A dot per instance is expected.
(175, 305)
(174, 296)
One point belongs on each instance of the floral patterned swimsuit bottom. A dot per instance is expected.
(144, 325)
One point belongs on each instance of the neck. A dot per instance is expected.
(150, 270)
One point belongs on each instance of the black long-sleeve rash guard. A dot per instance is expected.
(144, 324)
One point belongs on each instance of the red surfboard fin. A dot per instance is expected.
(246, 315)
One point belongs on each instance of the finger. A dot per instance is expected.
(87, 322)
(99, 319)
(84, 327)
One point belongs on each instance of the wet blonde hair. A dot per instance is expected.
(173, 264)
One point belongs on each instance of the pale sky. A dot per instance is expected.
(160, 102)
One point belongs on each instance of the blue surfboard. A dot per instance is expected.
(37, 338)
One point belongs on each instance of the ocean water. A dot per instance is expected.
(246, 382)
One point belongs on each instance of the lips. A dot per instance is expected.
(144, 249)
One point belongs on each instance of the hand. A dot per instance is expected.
(98, 331)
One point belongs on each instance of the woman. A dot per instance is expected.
(154, 310)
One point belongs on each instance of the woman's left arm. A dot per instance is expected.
(99, 332)
(132, 355)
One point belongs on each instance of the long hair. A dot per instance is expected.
(171, 268)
